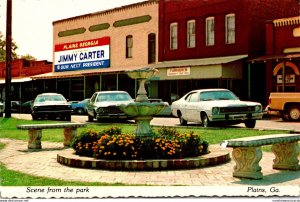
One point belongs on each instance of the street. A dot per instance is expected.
(267, 124)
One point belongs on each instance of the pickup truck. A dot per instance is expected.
(286, 104)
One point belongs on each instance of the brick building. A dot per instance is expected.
(123, 38)
(23, 89)
(206, 44)
(282, 56)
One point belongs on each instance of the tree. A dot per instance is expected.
(3, 49)
(28, 57)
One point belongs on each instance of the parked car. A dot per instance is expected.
(285, 104)
(166, 111)
(26, 107)
(15, 106)
(104, 105)
(208, 106)
(1, 109)
(78, 107)
(51, 105)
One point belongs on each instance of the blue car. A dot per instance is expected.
(78, 107)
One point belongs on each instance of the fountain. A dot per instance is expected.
(142, 111)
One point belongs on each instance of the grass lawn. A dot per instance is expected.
(8, 130)
(212, 135)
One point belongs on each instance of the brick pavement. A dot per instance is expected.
(17, 157)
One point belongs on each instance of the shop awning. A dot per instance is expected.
(279, 57)
(200, 62)
(17, 80)
(81, 73)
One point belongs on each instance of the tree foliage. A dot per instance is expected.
(14, 47)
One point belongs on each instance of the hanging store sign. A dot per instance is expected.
(82, 55)
(178, 71)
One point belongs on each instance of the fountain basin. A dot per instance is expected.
(143, 73)
(136, 109)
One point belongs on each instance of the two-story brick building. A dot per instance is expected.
(206, 44)
(92, 52)
(282, 56)
(23, 89)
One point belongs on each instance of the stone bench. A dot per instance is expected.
(35, 132)
(247, 153)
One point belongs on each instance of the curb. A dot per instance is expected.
(215, 157)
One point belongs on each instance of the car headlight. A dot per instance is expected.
(99, 110)
(258, 108)
(215, 110)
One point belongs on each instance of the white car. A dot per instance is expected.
(207, 106)
(105, 105)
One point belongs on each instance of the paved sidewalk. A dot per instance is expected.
(17, 157)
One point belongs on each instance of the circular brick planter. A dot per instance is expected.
(215, 157)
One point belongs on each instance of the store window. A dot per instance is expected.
(210, 31)
(173, 36)
(129, 46)
(230, 28)
(191, 36)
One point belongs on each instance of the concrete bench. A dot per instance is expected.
(35, 132)
(247, 153)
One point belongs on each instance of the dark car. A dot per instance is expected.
(105, 105)
(15, 106)
(26, 107)
(51, 106)
(1, 109)
(78, 107)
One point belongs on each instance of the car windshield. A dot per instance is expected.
(45, 98)
(217, 95)
(113, 97)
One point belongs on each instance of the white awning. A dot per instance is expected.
(16, 80)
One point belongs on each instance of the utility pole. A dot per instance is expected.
(8, 60)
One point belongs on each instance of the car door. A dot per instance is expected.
(192, 107)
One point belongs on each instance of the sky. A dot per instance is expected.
(32, 21)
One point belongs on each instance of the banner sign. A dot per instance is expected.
(82, 55)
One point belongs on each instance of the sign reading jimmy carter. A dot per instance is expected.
(82, 55)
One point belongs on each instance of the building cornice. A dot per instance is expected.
(110, 11)
(287, 21)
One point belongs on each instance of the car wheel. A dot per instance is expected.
(181, 120)
(250, 123)
(34, 117)
(205, 121)
(90, 118)
(294, 113)
(79, 111)
(68, 117)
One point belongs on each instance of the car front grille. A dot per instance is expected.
(237, 109)
(52, 108)
(112, 110)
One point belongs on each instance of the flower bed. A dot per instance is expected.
(111, 144)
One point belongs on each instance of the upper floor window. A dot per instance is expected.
(151, 48)
(191, 36)
(129, 45)
(173, 36)
(210, 31)
(230, 28)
